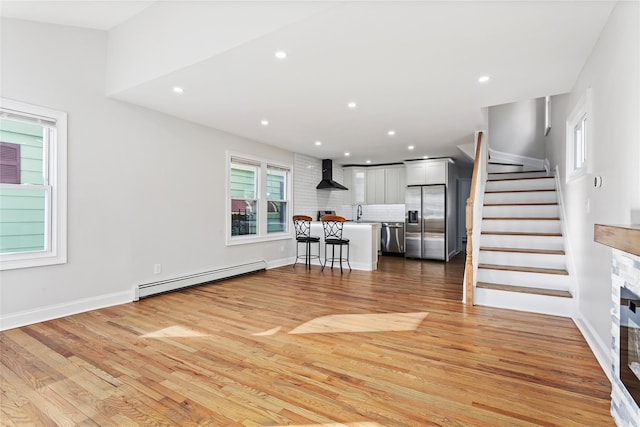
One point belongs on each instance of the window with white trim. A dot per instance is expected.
(32, 185)
(577, 139)
(580, 142)
(258, 199)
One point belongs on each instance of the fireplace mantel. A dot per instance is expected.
(625, 238)
(625, 278)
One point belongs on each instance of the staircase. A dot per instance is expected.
(522, 263)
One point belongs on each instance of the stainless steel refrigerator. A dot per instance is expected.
(425, 222)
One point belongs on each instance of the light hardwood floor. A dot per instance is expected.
(405, 352)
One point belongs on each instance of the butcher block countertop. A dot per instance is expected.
(622, 237)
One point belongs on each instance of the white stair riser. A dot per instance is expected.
(522, 242)
(520, 278)
(543, 304)
(504, 168)
(516, 175)
(557, 262)
(523, 197)
(522, 226)
(525, 211)
(522, 184)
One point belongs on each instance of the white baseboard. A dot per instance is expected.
(281, 262)
(43, 314)
(601, 351)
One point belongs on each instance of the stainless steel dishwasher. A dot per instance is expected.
(392, 238)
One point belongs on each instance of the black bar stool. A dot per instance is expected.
(302, 224)
(332, 225)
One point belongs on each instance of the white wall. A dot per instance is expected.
(144, 188)
(518, 128)
(612, 72)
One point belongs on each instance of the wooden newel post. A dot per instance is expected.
(469, 260)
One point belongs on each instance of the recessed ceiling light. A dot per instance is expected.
(347, 153)
(425, 157)
(264, 122)
(352, 105)
(318, 143)
(483, 79)
(178, 89)
(391, 132)
(368, 161)
(281, 54)
(411, 147)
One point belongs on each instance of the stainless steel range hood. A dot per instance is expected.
(327, 182)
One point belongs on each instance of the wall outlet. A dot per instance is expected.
(157, 268)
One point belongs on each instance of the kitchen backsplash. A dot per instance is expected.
(307, 200)
(373, 212)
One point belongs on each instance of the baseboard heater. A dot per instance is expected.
(154, 288)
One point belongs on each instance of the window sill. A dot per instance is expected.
(258, 239)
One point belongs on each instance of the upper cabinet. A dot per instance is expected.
(355, 180)
(374, 185)
(426, 172)
(395, 184)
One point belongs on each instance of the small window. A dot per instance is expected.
(580, 143)
(577, 139)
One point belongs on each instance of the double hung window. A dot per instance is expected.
(258, 194)
(32, 185)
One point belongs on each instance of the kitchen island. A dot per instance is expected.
(364, 239)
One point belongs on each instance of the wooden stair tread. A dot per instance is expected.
(525, 289)
(519, 179)
(518, 218)
(524, 251)
(515, 191)
(524, 269)
(522, 204)
(518, 233)
(505, 164)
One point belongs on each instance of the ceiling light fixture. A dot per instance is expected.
(368, 161)
(318, 143)
(264, 122)
(178, 89)
(391, 132)
(352, 105)
(281, 54)
(483, 79)
(347, 153)
(411, 147)
(425, 157)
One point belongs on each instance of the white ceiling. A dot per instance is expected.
(411, 66)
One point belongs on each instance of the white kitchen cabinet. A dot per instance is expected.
(395, 185)
(416, 173)
(426, 172)
(355, 180)
(375, 186)
(436, 172)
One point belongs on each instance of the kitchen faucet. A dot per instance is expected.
(359, 213)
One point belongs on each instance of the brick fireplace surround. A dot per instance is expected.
(625, 273)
